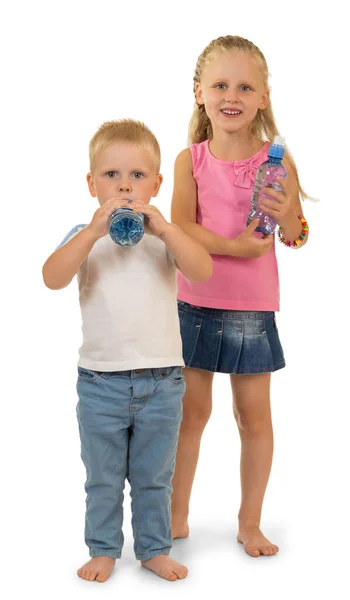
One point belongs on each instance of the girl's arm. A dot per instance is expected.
(184, 213)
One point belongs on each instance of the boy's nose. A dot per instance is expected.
(124, 186)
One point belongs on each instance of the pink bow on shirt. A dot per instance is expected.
(246, 173)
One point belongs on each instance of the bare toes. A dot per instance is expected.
(253, 552)
(182, 574)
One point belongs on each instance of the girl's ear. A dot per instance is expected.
(198, 92)
(265, 100)
(91, 184)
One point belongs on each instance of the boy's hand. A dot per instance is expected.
(247, 245)
(155, 223)
(99, 222)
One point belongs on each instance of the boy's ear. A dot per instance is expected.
(157, 184)
(90, 181)
(198, 93)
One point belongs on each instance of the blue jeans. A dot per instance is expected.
(129, 423)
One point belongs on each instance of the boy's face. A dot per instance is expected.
(125, 170)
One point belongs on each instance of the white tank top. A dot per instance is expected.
(128, 306)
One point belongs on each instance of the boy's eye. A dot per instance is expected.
(111, 174)
(246, 87)
(138, 174)
(220, 86)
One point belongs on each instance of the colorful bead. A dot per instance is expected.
(301, 237)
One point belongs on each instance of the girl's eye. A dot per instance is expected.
(138, 175)
(220, 86)
(111, 174)
(246, 87)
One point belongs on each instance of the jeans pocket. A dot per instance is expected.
(172, 374)
(175, 375)
(88, 375)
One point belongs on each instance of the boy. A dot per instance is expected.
(130, 382)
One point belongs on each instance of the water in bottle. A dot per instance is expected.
(266, 178)
(126, 226)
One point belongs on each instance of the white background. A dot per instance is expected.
(67, 67)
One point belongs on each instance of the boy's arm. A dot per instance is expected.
(64, 263)
(191, 258)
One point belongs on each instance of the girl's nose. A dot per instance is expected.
(231, 95)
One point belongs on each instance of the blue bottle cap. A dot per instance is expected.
(276, 149)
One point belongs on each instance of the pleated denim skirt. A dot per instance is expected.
(230, 341)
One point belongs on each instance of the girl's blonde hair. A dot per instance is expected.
(124, 130)
(264, 125)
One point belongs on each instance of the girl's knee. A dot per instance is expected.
(252, 422)
(195, 417)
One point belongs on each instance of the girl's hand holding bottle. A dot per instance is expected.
(282, 206)
(248, 245)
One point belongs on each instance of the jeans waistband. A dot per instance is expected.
(225, 313)
(156, 372)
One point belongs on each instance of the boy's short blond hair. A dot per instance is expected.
(124, 130)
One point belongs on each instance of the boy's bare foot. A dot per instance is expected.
(255, 543)
(166, 567)
(180, 529)
(98, 568)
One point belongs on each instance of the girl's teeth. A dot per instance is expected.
(231, 112)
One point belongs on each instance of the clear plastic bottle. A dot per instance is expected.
(266, 178)
(126, 226)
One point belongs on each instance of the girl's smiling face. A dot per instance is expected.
(232, 90)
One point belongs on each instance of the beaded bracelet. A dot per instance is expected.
(301, 237)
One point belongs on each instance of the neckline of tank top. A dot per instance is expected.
(246, 161)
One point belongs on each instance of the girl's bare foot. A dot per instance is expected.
(180, 529)
(255, 543)
(98, 568)
(166, 567)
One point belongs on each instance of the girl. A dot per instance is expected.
(228, 323)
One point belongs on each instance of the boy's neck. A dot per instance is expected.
(234, 146)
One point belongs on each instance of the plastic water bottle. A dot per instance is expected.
(266, 178)
(126, 226)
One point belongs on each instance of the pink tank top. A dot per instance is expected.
(224, 191)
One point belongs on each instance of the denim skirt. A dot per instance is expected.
(230, 341)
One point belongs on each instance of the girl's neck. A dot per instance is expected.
(238, 145)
